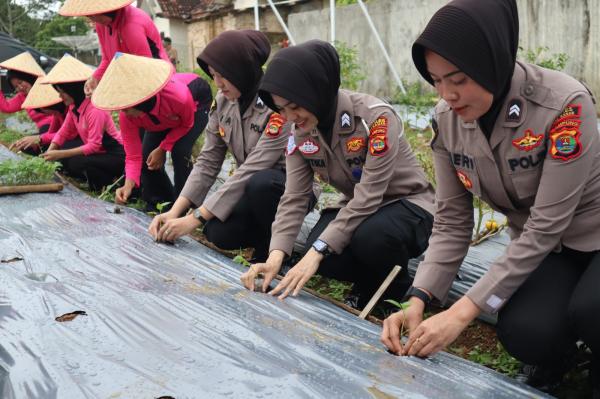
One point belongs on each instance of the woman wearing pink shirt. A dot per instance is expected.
(120, 28)
(23, 71)
(42, 98)
(99, 157)
(171, 109)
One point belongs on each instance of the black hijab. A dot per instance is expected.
(308, 75)
(480, 37)
(14, 74)
(238, 55)
(75, 90)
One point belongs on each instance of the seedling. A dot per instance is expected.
(27, 172)
(8, 137)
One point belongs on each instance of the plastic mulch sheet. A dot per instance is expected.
(174, 320)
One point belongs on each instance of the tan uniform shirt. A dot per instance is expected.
(256, 142)
(368, 161)
(541, 168)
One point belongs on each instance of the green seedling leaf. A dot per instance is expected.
(162, 205)
(241, 260)
(403, 305)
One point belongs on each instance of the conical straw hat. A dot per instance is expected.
(68, 69)
(130, 80)
(41, 96)
(23, 62)
(79, 8)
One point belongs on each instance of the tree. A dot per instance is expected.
(21, 19)
(58, 26)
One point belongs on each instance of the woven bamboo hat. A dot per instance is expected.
(41, 96)
(80, 8)
(68, 69)
(130, 80)
(23, 62)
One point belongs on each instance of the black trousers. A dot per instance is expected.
(100, 170)
(249, 224)
(557, 305)
(391, 236)
(156, 185)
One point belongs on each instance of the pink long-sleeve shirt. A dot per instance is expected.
(14, 105)
(174, 110)
(57, 122)
(132, 32)
(90, 126)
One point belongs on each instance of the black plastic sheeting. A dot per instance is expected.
(174, 320)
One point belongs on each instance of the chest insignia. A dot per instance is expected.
(221, 131)
(345, 120)
(513, 111)
(291, 145)
(529, 141)
(464, 179)
(355, 144)
(309, 147)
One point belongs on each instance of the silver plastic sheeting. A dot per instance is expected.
(174, 320)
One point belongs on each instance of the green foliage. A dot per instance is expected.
(401, 306)
(350, 70)
(28, 171)
(241, 260)
(8, 136)
(327, 286)
(498, 360)
(16, 18)
(162, 205)
(556, 61)
(417, 95)
(213, 88)
(346, 2)
(59, 26)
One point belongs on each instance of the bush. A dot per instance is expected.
(350, 70)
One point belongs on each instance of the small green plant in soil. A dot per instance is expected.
(539, 56)
(7, 136)
(27, 171)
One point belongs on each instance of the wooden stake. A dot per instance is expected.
(37, 188)
(386, 283)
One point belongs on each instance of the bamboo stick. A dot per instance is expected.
(37, 188)
(386, 283)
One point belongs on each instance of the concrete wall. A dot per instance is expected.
(568, 26)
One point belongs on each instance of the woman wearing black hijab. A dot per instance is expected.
(239, 214)
(354, 142)
(524, 139)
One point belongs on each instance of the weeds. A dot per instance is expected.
(7, 136)
(498, 360)
(28, 171)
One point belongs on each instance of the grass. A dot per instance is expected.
(7, 136)
(27, 171)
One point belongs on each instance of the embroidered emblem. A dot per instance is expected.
(213, 106)
(259, 102)
(291, 145)
(345, 120)
(565, 133)
(380, 126)
(513, 110)
(309, 147)
(464, 179)
(355, 144)
(378, 144)
(274, 125)
(529, 141)
(357, 173)
(221, 131)
(565, 144)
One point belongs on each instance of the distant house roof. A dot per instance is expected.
(193, 9)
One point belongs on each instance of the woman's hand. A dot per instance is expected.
(174, 228)
(123, 193)
(157, 223)
(53, 155)
(269, 270)
(404, 320)
(439, 331)
(90, 85)
(298, 275)
(25, 143)
(156, 159)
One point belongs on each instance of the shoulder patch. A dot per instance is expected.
(380, 126)
(564, 134)
(513, 110)
(529, 141)
(273, 128)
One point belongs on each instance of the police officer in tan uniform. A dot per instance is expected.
(354, 142)
(524, 139)
(240, 213)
